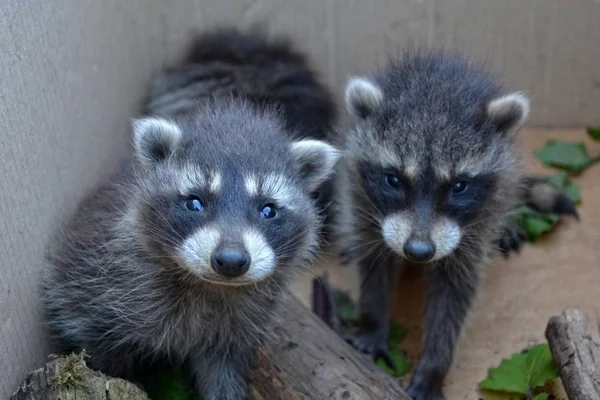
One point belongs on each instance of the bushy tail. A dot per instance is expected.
(266, 71)
(251, 48)
(214, 63)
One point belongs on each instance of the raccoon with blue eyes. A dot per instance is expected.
(179, 258)
(429, 174)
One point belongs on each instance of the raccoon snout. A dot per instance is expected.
(419, 251)
(230, 263)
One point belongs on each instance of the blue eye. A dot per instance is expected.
(392, 180)
(459, 187)
(268, 211)
(194, 204)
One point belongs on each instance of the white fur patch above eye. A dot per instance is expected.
(273, 186)
(443, 171)
(196, 251)
(470, 166)
(317, 160)
(215, 182)
(509, 112)
(388, 158)
(362, 97)
(251, 184)
(411, 168)
(396, 229)
(262, 256)
(280, 189)
(446, 236)
(189, 179)
(154, 139)
(192, 178)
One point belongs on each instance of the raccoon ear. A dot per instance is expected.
(154, 139)
(317, 159)
(362, 97)
(509, 112)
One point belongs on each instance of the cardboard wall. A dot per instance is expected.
(72, 73)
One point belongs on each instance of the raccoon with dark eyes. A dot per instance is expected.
(179, 258)
(429, 173)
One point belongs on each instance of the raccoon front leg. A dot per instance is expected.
(222, 377)
(451, 288)
(372, 338)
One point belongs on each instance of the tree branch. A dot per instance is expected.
(576, 350)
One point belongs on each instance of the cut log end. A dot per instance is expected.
(575, 346)
(69, 378)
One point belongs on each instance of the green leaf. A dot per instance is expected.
(541, 396)
(397, 333)
(402, 364)
(537, 226)
(560, 179)
(594, 133)
(534, 223)
(540, 365)
(570, 156)
(495, 395)
(523, 372)
(509, 376)
(573, 192)
(169, 385)
(346, 308)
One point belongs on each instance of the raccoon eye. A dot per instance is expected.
(194, 204)
(459, 187)
(268, 211)
(392, 180)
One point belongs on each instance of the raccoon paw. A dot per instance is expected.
(511, 239)
(374, 344)
(417, 393)
(563, 205)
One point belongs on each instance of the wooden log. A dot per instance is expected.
(311, 361)
(308, 360)
(68, 378)
(575, 347)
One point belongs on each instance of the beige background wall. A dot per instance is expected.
(72, 73)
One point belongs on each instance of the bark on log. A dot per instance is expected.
(310, 361)
(68, 378)
(576, 350)
(307, 361)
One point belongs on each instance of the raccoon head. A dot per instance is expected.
(226, 198)
(433, 159)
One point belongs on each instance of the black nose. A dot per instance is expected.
(416, 250)
(231, 263)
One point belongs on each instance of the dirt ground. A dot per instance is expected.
(519, 294)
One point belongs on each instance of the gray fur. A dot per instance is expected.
(544, 197)
(434, 127)
(117, 285)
